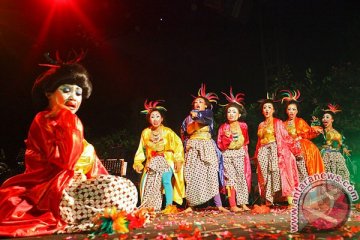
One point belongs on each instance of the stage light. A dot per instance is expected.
(61, 1)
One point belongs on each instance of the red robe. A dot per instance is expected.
(29, 202)
(286, 149)
(223, 143)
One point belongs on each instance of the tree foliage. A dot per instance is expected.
(119, 144)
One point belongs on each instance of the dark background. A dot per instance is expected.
(162, 49)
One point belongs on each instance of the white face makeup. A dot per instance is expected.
(232, 114)
(199, 104)
(292, 111)
(268, 110)
(69, 95)
(155, 119)
(327, 120)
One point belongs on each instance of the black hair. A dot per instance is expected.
(296, 103)
(268, 101)
(239, 107)
(207, 102)
(50, 80)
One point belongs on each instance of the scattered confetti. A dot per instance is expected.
(204, 224)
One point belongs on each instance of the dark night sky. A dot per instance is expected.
(160, 49)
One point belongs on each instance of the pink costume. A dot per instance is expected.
(286, 149)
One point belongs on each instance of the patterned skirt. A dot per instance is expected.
(301, 166)
(335, 163)
(201, 171)
(235, 174)
(152, 189)
(84, 198)
(270, 172)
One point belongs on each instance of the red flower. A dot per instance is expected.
(135, 222)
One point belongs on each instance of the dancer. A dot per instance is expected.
(203, 160)
(334, 149)
(275, 152)
(310, 161)
(64, 184)
(163, 152)
(233, 140)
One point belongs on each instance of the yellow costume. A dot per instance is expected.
(169, 146)
(331, 152)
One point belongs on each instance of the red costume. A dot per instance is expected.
(29, 202)
(223, 143)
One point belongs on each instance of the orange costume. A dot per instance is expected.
(302, 132)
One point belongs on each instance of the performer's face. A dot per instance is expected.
(155, 119)
(327, 120)
(68, 95)
(232, 114)
(268, 110)
(292, 111)
(199, 104)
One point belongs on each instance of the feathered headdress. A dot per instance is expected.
(61, 72)
(152, 105)
(288, 95)
(269, 96)
(238, 98)
(334, 108)
(212, 97)
(58, 61)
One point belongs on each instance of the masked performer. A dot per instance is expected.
(310, 161)
(203, 160)
(275, 152)
(163, 152)
(333, 150)
(64, 184)
(233, 140)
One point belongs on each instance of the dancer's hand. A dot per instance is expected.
(177, 166)
(138, 168)
(193, 114)
(346, 151)
(227, 133)
(147, 166)
(79, 175)
(318, 129)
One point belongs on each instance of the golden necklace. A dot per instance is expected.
(156, 136)
(291, 123)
